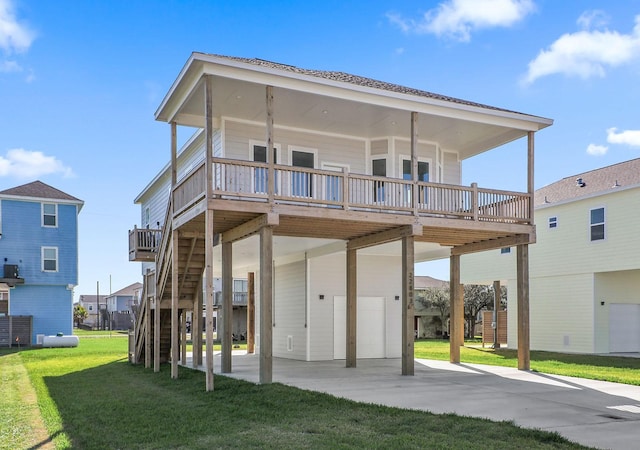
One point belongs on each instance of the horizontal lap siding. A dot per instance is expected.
(23, 237)
(50, 306)
(378, 276)
(289, 311)
(612, 287)
(451, 168)
(331, 149)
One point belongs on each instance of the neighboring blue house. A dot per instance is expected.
(39, 250)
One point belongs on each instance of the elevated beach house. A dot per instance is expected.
(39, 250)
(327, 187)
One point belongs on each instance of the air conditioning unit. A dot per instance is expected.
(11, 271)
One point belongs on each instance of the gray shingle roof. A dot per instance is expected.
(357, 80)
(38, 189)
(596, 181)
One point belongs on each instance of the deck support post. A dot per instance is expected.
(496, 306)
(266, 305)
(147, 327)
(227, 306)
(271, 184)
(175, 349)
(456, 309)
(414, 163)
(352, 307)
(183, 337)
(530, 169)
(208, 232)
(251, 313)
(156, 331)
(196, 327)
(407, 305)
(522, 274)
(209, 298)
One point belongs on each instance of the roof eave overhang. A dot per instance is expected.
(200, 64)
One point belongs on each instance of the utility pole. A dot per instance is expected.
(98, 305)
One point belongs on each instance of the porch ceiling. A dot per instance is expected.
(340, 108)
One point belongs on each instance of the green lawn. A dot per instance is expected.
(606, 368)
(91, 397)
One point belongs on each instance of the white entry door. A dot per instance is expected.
(370, 334)
(624, 328)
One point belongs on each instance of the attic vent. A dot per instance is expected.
(580, 182)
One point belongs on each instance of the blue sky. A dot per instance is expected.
(80, 82)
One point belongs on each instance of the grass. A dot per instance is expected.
(606, 368)
(91, 397)
(99, 333)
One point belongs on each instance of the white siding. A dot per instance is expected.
(331, 149)
(378, 276)
(451, 168)
(290, 311)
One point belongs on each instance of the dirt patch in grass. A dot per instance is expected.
(22, 425)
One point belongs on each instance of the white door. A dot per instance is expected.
(624, 328)
(370, 334)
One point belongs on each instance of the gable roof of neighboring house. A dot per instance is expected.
(127, 291)
(617, 176)
(90, 299)
(38, 190)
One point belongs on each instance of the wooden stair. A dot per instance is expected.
(191, 261)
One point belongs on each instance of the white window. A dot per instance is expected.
(378, 169)
(259, 154)
(505, 250)
(302, 183)
(597, 224)
(49, 215)
(553, 222)
(49, 259)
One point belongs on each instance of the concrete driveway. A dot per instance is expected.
(593, 413)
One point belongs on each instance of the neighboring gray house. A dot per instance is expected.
(120, 306)
(584, 269)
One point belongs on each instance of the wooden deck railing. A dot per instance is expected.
(143, 243)
(247, 180)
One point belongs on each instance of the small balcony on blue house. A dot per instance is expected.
(11, 275)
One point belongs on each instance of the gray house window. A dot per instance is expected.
(597, 224)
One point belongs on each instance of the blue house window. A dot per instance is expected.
(49, 259)
(49, 215)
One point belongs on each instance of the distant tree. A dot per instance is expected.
(437, 298)
(79, 314)
(477, 298)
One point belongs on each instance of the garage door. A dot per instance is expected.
(624, 328)
(370, 334)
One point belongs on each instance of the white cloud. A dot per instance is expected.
(586, 53)
(15, 37)
(21, 163)
(592, 19)
(458, 18)
(627, 137)
(597, 150)
(10, 66)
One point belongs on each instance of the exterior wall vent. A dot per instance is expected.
(289, 343)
